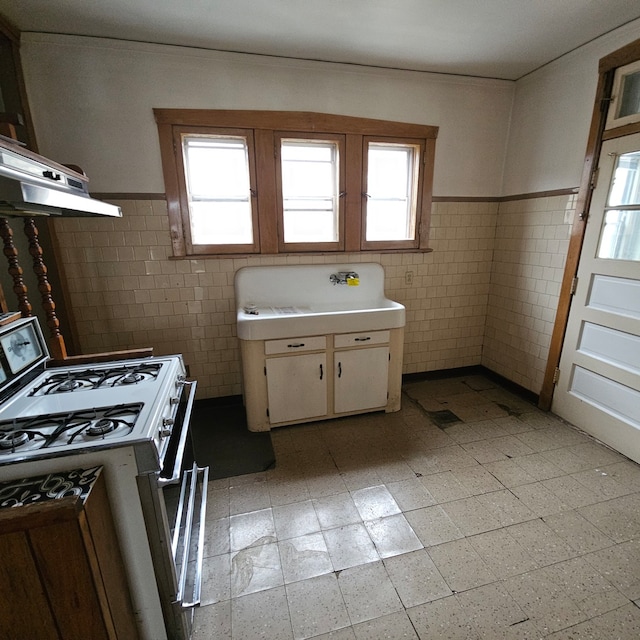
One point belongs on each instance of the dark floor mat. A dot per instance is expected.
(221, 440)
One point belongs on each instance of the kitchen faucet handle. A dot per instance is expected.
(350, 278)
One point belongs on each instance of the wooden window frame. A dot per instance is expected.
(415, 243)
(266, 127)
(207, 249)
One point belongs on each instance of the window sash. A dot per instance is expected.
(390, 214)
(304, 213)
(218, 215)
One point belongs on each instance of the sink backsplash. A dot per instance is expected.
(303, 285)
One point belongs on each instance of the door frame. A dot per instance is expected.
(606, 72)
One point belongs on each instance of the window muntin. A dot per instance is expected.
(218, 189)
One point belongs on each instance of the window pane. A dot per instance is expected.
(300, 179)
(309, 226)
(625, 188)
(387, 220)
(391, 192)
(310, 190)
(630, 99)
(620, 238)
(221, 223)
(218, 189)
(307, 151)
(389, 171)
(620, 235)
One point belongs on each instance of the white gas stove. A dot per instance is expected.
(132, 418)
(70, 409)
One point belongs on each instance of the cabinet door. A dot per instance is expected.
(361, 379)
(297, 387)
(26, 610)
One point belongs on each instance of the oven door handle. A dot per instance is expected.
(187, 515)
(176, 474)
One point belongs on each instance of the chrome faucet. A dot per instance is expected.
(345, 277)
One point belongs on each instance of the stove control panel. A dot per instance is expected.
(22, 349)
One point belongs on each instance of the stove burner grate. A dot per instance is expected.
(131, 375)
(11, 440)
(87, 379)
(74, 427)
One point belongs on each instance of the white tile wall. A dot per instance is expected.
(532, 239)
(127, 292)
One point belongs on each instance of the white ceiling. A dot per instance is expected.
(490, 38)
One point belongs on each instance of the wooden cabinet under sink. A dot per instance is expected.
(301, 379)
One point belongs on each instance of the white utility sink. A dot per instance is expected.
(287, 301)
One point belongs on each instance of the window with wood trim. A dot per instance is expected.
(310, 188)
(247, 182)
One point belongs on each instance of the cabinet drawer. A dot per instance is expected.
(295, 345)
(360, 339)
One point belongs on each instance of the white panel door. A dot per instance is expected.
(599, 383)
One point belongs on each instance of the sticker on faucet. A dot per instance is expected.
(353, 282)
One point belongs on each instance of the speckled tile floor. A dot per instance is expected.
(469, 514)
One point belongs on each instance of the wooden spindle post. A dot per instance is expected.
(15, 270)
(56, 341)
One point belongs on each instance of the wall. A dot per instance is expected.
(551, 117)
(127, 293)
(532, 239)
(494, 265)
(92, 100)
(549, 127)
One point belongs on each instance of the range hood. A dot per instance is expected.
(31, 185)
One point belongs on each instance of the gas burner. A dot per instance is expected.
(131, 378)
(69, 385)
(101, 427)
(128, 375)
(11, 440)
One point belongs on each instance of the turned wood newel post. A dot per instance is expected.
(56, 342)
(15, 270)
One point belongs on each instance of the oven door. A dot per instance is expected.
(174, 503)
